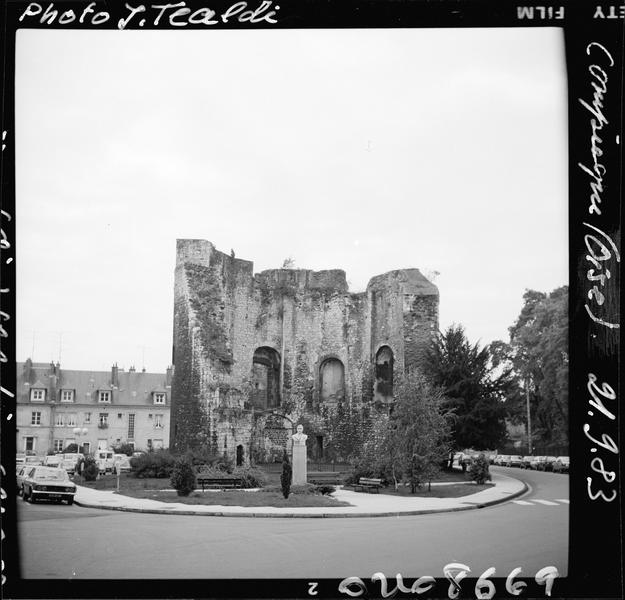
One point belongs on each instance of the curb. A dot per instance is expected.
(162, 511)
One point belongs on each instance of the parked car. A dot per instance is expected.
(70, 460)
(525, 463)
(33, 460)
(47, 483)
(499, 460)
(534, 462)
(514, 460)
(53, 460)
(546, 463)
(104, 459)
(561, 465)
(20, 459)
(22, 471)
(121, 463)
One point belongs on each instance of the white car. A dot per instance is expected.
(121, 463)
(53, 460)
(104, 459)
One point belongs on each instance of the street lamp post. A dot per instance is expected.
(529, 419)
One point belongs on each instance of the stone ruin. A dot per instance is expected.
(256, 354)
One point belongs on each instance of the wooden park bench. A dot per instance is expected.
(326, 477)
(368, 484)
(218, 482)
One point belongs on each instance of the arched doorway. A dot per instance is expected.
(384, 373)
(331, 381)
(266, 378)
(240, 455)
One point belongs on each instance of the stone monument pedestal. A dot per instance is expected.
(299, 464)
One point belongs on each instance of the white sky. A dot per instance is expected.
(444, 150)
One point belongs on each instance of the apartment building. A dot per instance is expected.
(57, 407)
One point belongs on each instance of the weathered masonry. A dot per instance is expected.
(255, 354)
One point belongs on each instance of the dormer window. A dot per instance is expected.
(67, 395)
(104, 397)
(37, 395)
(159, 398)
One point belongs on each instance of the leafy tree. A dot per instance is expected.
(475, 386)
(286, 475)
(418, 433)
(88, 467)
(126, 449)
(539, 354)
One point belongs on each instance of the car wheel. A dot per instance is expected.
(70, 501)
(24, 496)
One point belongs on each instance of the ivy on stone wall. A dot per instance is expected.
(190, 425)
(208, 304)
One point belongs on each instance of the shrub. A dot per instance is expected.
(89, 468)
(159, 463)
(126, 449)
(252, 478)
(478, 471)
(286, 475)
(183, 476)
(325, 489)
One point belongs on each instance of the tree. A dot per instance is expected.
(475, 386)
(288, 263)
(286, 475)
(127, 449)
(418, 432)
(540, 357)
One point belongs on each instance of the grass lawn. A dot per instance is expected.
(438, 491)
(239, 498)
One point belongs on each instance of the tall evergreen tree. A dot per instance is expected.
(474, 385)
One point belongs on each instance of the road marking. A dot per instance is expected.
(523, 502)
(563, 500)
(546, 502)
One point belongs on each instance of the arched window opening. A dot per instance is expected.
(384, 373)
(266, 378)
(332, 380)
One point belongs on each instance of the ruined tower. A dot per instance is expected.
(255, 354)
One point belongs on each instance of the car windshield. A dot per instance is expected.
(52, 474)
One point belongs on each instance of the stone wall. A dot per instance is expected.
(233, 327)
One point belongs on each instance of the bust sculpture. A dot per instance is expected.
(300, 437)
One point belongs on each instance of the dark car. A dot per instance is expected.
(545, 463)
(48, 483)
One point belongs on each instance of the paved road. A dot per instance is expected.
(59, 541)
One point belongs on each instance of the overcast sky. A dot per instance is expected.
(444, 150)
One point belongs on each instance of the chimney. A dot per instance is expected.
(115, 376)
(132, 369)
(28, 371)
(168, 376)
(53, 381)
